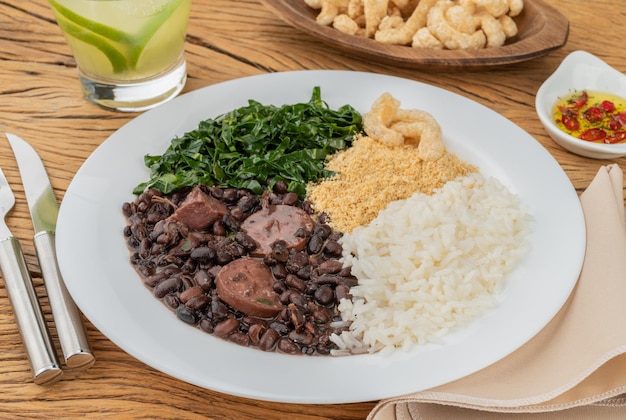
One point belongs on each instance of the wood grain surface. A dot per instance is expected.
(41, 100)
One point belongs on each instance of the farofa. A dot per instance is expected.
(370, 175)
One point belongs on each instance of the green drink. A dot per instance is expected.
(129, 52)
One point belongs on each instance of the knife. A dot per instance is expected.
(19, 285)
(44, 210)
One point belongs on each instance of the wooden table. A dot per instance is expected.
(41, 100)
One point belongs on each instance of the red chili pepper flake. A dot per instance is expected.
(592, 116)
(608, 106)
(615, 123)
(579, 101)
(617, 137)
(593, 134)
(570, 119)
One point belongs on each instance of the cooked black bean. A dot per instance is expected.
(171, 301)
(127, 209)
(279, 271)
(296, 316)
(287, 346)
(280, 187)
(290, 199)
(180, 265)
(186, 315)
(202, 254)
(297, 261)
(305, 272)
(230, 223)
(280, 328)
(248, 203)
(330, 267)
(304, 338)
(167, 286)
(219, 229)
(285, 297)
(198, 303)
(156, 249)
(346, 272)
(230, 195)
(322, 230)
(333, 248)
(280, 251)
(268, 339)
(342, 291)
(226, 327)
(219, 310)
(246, 241)
(279, 287)
(190, 292)
(325, 295)
(335, 279)
(206, 325)
(187, 282)
(240, 338)
(145, 247)
(155, 279)
(216, 192)
(298, 300)
(204, 280)
(315, 245)
(295, 282)
(255, 332)
(321, 316)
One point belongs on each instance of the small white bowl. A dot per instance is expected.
(580, 71)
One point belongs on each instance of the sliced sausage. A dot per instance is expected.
(278, 222)
(246, 284)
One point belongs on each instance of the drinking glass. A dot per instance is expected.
(129, 53)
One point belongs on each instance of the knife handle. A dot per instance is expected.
(67, 318)
(28, 314)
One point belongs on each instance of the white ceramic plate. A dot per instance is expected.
(94, 259)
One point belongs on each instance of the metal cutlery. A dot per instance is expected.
(44, 210)
(19, 285)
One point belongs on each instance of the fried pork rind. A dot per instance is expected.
(493, 30)
(425, 39)
(377, 122)
(314, 4)
(346, 25)
(391, 22)
(404, 34)
(329, 10)
(451, 37)
(436, 24)
(375, 11)
(515, 7)
(393, 126)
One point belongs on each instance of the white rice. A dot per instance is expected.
(430, 263)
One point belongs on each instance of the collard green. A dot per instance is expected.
(256, 146)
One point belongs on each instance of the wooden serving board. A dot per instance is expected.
(542, 29)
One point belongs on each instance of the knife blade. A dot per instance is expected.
(19, 285)
(44, 211)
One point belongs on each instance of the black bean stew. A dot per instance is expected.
(258, 271)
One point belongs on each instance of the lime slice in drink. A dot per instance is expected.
(140, 8)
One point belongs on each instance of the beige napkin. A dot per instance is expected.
(576, 366)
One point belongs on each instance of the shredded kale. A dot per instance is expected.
(255, 147)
